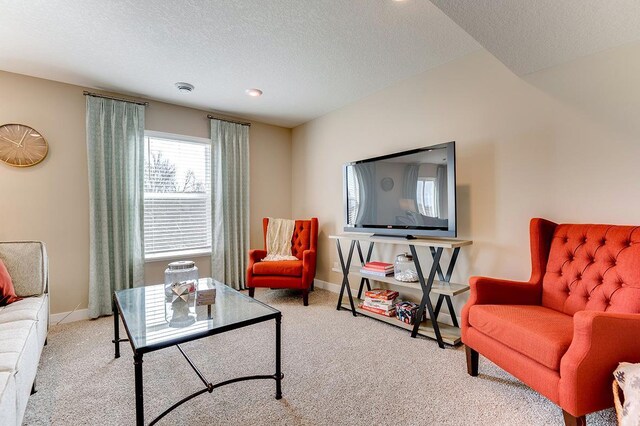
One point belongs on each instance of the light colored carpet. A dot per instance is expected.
(339, 370)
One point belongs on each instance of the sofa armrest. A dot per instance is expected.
(254, 257)
(308, 267)
(492, 291)
(601, 340)
(28, 266)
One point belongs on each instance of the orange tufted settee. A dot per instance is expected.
(295, 274)
(564, 331)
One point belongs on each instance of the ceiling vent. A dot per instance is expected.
(185, 87)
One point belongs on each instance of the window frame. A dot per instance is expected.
(175, 254)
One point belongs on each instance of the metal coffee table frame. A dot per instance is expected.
(209, 386)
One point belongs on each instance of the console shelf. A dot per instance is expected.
(439, 287)
(450, 334)
(443, 286)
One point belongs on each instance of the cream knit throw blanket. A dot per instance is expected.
(279, 234)
(628, 377)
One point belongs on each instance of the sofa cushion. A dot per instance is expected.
(292, 268)
(26, 309)
(27, 263)
(539, 333)
(7, 292)
(13, 339)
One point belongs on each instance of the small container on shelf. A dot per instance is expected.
(407, 312)
(404, 268)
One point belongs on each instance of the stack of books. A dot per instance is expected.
(380, 301)
(377, 269)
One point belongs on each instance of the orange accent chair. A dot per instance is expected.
(564, 331)
(295, 274)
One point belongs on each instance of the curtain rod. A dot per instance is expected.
(243, 123)
(98, 95)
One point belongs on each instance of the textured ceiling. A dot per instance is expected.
(309, 57)
(529, 35)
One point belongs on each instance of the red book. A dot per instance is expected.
(379, 293)
(391, 313)
(378, 266)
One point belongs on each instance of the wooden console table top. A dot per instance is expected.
(448, 243)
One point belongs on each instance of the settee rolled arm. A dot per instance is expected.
(492, 291)
(600, 341)
(308, 266)
(254, 257)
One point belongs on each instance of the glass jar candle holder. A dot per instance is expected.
(177, 272)
(404, 269)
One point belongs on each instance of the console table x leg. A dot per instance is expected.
(345, 276)
(446, 279)
(426, 290)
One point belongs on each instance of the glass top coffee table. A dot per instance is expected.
(155, 321)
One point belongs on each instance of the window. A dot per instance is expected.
(177, 195)
(426, 197)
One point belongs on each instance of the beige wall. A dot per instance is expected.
(50, 202)
(522, 151)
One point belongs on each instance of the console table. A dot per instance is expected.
(443, 287)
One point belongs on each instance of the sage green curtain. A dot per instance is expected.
(229, 202)
(115, 150)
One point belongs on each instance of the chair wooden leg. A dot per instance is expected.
(472, 361)
(305, 297)
(33, 387)
(312, 285)
(252, 291)
(571, 420)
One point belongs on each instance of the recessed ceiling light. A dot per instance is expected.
(253, 92)
(185, 87)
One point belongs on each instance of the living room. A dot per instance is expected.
(540, 98)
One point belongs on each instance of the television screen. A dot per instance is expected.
(410, 193)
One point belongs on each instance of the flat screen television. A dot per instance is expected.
(408, 194)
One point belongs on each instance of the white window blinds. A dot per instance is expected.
(177, 196)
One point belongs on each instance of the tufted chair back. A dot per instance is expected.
(593, 267)
(305, 236)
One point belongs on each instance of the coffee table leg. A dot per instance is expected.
(116, 327)
(137, 363)
(278, 355)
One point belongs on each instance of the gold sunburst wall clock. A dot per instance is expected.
(21, 146)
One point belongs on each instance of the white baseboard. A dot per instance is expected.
(334, 288)
(65, 317)
(443, 316)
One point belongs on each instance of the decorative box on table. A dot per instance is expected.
(205, 292)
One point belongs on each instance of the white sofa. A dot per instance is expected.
(23, 326)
